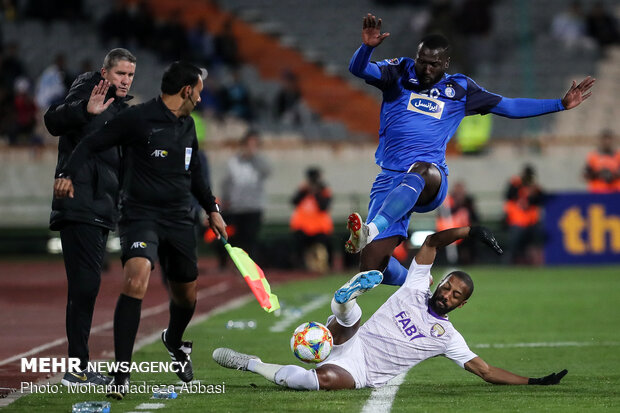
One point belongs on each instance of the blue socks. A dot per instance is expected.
(400, 201)
(394, 273)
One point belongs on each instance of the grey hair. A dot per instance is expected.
(116, 55)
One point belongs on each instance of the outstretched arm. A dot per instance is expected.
(495, 375)
(428, 251)
(525, 108)
(372, 37)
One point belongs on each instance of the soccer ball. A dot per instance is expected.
(311, 342)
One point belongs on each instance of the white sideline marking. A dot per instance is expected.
(205, 292)
(381, 399)
(290, 317)
(551, 344)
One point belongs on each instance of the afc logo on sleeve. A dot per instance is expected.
(425, 105)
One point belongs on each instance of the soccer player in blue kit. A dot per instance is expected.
(421, 110)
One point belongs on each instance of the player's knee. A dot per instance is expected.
(135, 285)
(332, 377)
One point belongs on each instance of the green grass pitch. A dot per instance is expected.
(571, 312)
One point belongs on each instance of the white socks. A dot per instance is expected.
(373, 231)
(266, 370)
(298, 378)
(347, 314)
(291, 376)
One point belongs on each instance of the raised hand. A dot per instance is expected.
(553, 378)
(578, 93)
(371, 31)
(96, 102)
(485, 235)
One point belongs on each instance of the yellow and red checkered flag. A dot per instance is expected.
(254, 276)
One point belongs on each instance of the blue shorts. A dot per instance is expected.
(384, 183)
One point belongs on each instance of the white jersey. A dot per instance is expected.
(405, 331)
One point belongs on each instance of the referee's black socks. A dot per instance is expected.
(179, 319)
(126, 322)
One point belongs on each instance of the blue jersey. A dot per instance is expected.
(416, 123)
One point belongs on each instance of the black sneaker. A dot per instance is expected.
(85, 378)
(181, 355)
(118, 388)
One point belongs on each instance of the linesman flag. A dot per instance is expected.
(254, 276)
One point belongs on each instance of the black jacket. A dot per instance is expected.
(96, 187)
(162, 169)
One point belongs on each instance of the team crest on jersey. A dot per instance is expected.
(437, 330)
(449, 91)
(393, 61)
(425, 105)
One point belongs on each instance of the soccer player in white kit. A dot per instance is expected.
(410, 327)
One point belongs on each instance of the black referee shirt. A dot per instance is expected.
(161, 166)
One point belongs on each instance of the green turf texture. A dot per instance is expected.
(520, 305)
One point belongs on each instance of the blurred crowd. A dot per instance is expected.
(133, 26)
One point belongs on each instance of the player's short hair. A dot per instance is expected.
(116, 55)
(180, 74)
(435, 41)
(463, 276)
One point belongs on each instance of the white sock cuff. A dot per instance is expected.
(373, 231)
(347, 314)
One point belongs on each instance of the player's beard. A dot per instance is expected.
(438, 305)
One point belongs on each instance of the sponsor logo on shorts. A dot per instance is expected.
(437, 330)
(138, 244)
(425, 105)
(159, 153)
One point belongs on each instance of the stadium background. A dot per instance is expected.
(518, 56)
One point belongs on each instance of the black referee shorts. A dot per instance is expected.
(173, 243)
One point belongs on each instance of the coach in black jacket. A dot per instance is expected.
(85, 220)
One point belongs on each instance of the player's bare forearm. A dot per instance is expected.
(446, 237)
(492, 374)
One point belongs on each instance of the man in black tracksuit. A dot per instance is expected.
(85, 220)
(161, 172)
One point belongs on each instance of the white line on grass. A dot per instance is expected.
(381, 399)
(289, 317)
(551, 344)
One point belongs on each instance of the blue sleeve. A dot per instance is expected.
(362, 67)
(525, 108)
(479, 100)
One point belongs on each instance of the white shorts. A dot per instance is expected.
(350, 357)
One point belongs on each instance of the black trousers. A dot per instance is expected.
(83, 248)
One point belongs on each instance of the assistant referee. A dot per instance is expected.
(161, 172)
